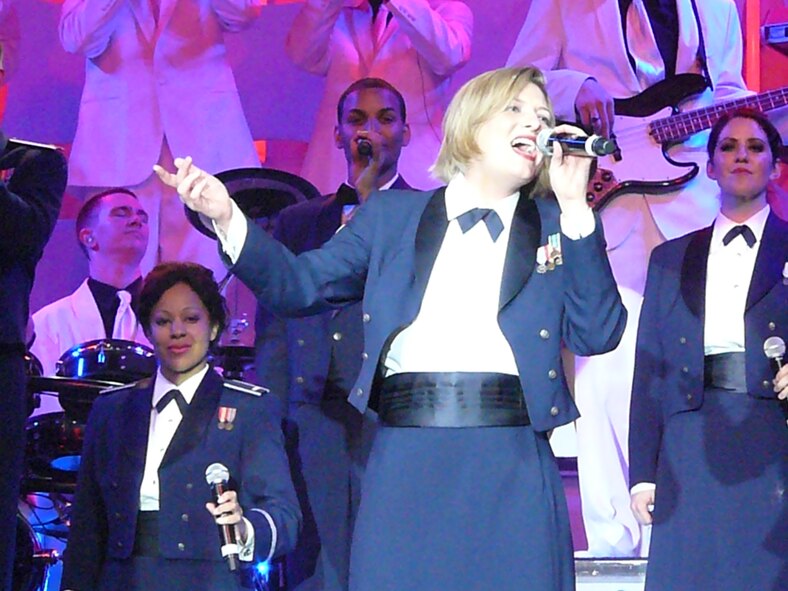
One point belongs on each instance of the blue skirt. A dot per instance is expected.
(144, 573)
(476, 509)
(721, 513)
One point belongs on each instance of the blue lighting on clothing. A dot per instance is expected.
(263, 569)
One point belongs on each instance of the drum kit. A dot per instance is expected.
(54, 440)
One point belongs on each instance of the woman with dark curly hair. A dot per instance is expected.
(141, 518)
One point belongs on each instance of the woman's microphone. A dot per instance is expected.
(590, 146)
(217, 476)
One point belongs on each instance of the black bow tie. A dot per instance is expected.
(746, 233)
(169, 397)
(347, 195)
(492, 220)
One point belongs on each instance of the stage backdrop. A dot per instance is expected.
(279, 100)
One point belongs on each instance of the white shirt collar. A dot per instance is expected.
(723, 224)
(382, 188)
(461, 196)
(187, 388)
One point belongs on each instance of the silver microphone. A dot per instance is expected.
(591, 146)
(774, 349)
(217, 475)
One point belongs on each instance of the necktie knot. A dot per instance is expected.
(175, 395)
(124, 297)
(491, 219)
(125, 325)
(743, 230)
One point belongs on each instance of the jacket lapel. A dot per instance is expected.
(166, 8)
(136, 426)
(429, 237)
(201, 413)
(142, 12)
(521, 251)
(770, 260)
(693, 272)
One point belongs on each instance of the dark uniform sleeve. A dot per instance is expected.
(645, 418)
(30, 201)
(267, 494)
(87, 540)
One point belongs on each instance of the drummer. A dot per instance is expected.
(112, 231)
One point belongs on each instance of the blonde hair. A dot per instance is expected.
(475, 103)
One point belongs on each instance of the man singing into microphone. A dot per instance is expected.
(311, 363)
(708, 442)
(29, 206)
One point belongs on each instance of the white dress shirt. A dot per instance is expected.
(457, 327)
(728, 274)
(163, 426)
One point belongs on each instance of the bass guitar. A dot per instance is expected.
(649, 124)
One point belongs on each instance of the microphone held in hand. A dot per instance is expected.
(364, 148)
(774, 349)
(217, 475)
(591, 146)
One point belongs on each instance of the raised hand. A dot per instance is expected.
(200, 191)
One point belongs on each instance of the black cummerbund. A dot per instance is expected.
(726, 371)
(457, 399)
(146, 534)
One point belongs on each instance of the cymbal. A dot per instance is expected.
(259, 193)
(62, 384)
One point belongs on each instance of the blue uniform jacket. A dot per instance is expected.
(293, 356)
(385, 256)
(113, 460)
(669, 355)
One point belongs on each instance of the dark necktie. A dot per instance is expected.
(744, 230)
(169, 397)
(470, 218)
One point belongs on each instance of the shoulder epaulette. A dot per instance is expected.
(245, 387)
(143, 383)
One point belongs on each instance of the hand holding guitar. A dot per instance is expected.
(595, 107)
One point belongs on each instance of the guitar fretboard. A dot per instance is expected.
(682, 125)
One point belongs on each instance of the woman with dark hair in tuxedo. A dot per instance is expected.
(143, 519)
(708, 439)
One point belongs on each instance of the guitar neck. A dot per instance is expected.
(678, 127)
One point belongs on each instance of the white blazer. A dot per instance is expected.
(416, 50)
(67, 322)
(145, 80)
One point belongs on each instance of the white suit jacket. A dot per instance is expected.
(145, 80)
(572, 40)
(423, 44)
(67, 322)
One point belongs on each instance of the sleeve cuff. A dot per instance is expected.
(642, 487)
(578, 225)
(233, 241)
(272, 525)
(246, 553)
